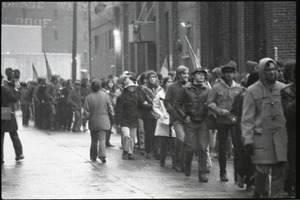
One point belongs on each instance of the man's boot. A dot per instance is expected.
(188, 163)
(202, 176)
(173, 161)
(181, 155)
(177, 163)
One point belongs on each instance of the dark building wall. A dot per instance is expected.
(280, 22)
(222, 31)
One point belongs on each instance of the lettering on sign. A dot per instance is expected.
(33, 22)
(64, 5)
(28, 5)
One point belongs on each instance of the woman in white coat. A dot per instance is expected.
(163, 128)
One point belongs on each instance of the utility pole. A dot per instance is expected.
(74, 46)
(90, 39)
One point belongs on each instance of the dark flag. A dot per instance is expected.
(35, 74)
(49, 73)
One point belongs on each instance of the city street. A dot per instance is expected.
(57, 166)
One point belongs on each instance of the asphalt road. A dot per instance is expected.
(57, 166)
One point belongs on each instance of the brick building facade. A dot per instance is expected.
(218, 32)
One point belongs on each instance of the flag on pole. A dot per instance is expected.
(194, 59)
(34, 73)
(49, 73)
(164, 69)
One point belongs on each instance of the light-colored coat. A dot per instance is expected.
(263, 121)
(162, 124)
(98, 110)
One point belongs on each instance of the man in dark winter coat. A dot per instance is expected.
(53, 94)
(191, 106)
(288, 100)
(9, 96)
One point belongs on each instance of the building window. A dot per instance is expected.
(24, 12)
(96, 43)
(55, 14)
(56, 34)
(110, 39)
(85, 56)
(85, 36)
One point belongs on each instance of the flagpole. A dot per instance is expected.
(193, 53)
(74, 45)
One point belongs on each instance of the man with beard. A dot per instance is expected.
(182, 75)
(220, 101)
(264, 131)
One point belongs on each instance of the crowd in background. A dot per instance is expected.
(249, 116)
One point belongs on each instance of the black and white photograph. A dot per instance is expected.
(148, 99)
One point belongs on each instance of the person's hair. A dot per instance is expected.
(113, 89)
(253, 77)
(141, 79)
(95, 85)
(103, 84)
(164, 81)
(287, 69)
(159, 76)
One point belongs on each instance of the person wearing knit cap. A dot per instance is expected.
(219, 102)
(127, 118)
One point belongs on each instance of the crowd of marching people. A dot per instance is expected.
(185, 114)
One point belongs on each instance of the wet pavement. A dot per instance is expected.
(57, 166)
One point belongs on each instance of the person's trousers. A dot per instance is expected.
(223, 131)
(262, 182)
(141, 134)
(149, 126)
(54, 116)
(166, 144)
(77, 121)
(37, 115)
(128, 135)
(16, 143)
(97, 137)
(67, 117)
(179, 144)
(290, 183)
(25, 114)
(196, 140)
(108, 133)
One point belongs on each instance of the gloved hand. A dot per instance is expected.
(249, 148)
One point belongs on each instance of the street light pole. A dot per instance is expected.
(90, 39)
(74, 45)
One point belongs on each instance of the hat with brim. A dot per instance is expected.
(201, 70)
(228, 68)
(77, 83)
(129, 83)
